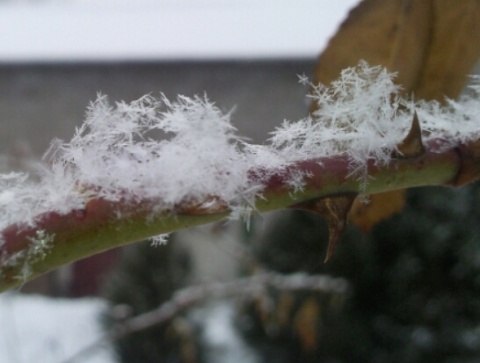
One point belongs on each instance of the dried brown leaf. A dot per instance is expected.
(306, 323)
(431, 44)
(453, 51)
(391, 33)
(366, 214)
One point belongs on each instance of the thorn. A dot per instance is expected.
(334, 210)
(412, 146)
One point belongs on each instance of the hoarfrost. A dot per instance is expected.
(357, 115)
(117, 152)
(159, 240)
(38, 248)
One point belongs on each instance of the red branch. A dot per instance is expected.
(104, 224)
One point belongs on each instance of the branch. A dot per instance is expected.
(103, 224)
(113, 184)
(247, 288)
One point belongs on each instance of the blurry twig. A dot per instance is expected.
(183, 299)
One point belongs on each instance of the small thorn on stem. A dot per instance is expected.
(412, 146)
(334, 210)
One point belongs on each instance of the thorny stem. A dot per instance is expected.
(102, 224)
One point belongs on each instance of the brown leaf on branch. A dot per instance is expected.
(453, 50)
(366, 213)
(391, 33)
(431, 44)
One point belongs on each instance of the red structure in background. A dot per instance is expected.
(87, 275)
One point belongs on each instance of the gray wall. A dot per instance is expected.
(41, 102)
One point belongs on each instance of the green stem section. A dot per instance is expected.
(103, 224)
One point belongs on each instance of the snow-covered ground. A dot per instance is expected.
(40, 329)
(105, 30)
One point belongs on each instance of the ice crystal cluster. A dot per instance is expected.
(358, 115)
(39, 247)
(187, 149)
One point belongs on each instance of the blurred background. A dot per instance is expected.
(56, 55)
(414, 278)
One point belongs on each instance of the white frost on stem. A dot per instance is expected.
(116, 151)
(159, 240)
(38, 248)
(357, 115)
(187, 150)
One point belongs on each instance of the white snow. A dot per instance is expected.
(356, 115)
(114, 153)
(166, 29)
(114, 149)
(225, 345)
(41, 329)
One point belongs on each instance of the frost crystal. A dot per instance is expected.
(38, 248)
(358, 115)
(187, 150)
(115, 149)
(159, 240)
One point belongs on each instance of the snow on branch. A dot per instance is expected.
(116, 152)
(187, 153)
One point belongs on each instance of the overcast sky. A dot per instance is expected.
(93, 30)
